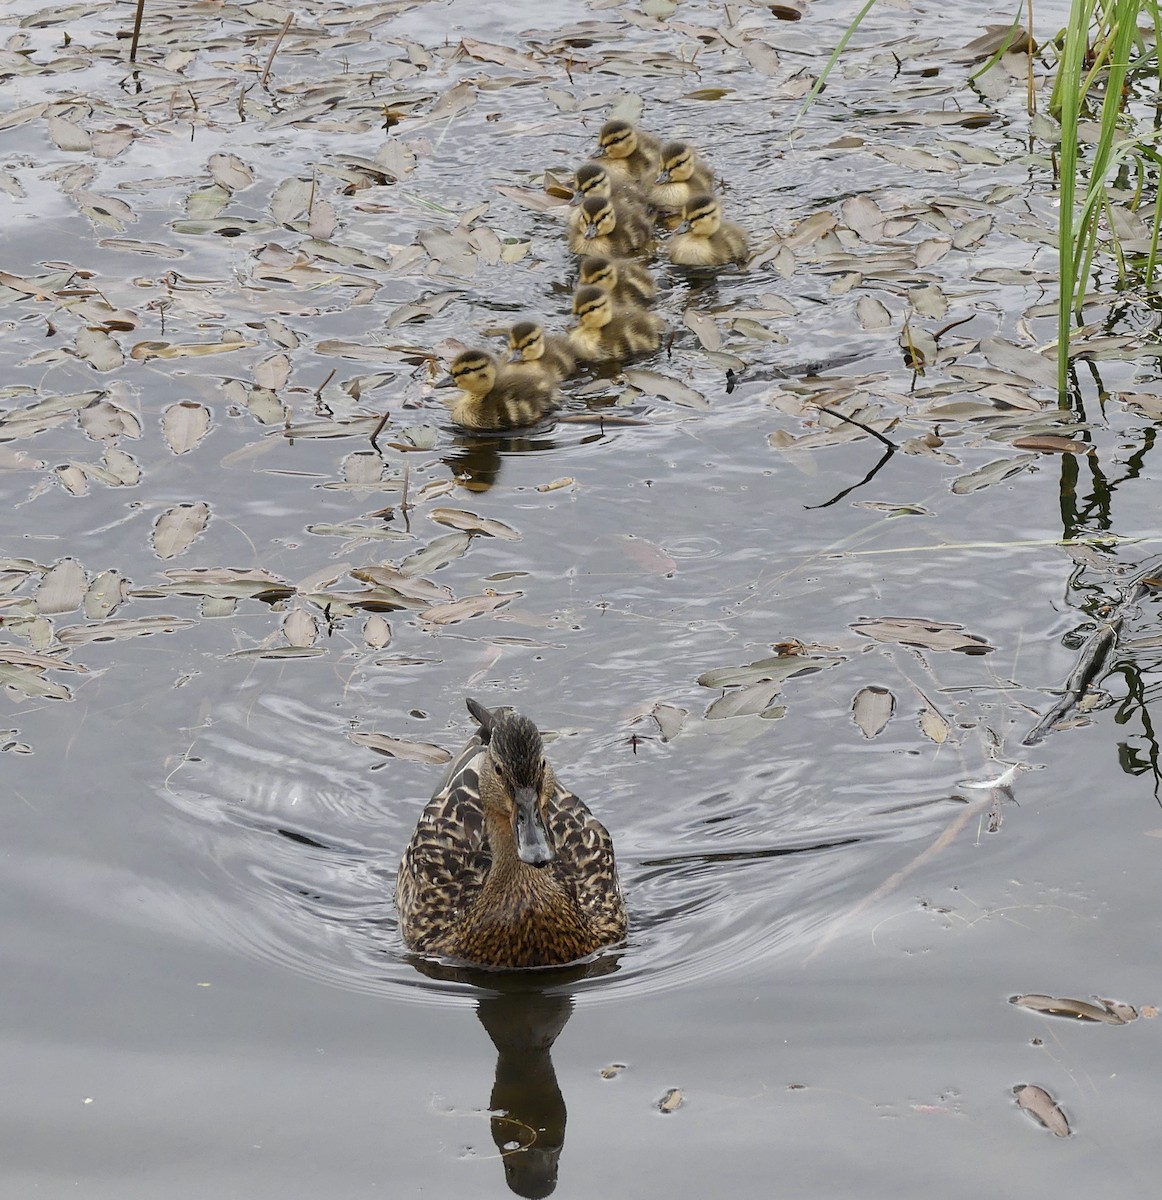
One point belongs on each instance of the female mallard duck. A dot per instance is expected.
(606, 333)
(683, 175)
(493, 397)
(628, 282)
(704, 239)
(545, 354)
(630, 151)
(507, 868)
(607, 227)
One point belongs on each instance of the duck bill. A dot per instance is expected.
(663, 177)
(683, 228)
(590, 232)
(532, 838)
(514, 357)
(445, 382)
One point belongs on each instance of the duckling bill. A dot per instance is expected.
(507, 868)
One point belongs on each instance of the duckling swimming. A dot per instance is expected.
(682, 175)
(594, 180)
(534, 350)
(493, 397)
(605, 227)
(507, 868)
(630, 151)
(628, 282)
(704, 239)
(606, 333)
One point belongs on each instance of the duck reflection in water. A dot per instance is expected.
(477, 459)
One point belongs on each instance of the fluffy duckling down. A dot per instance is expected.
(532, 349)
(493, 397)
(627, 281)
(630, 151)
(607, 333)
(606, 227)
(704, 239)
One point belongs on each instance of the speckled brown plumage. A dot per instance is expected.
(463, 888)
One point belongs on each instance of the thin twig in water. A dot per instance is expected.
(378, 430)
(136, 30)
(891, 449)
(274, 49)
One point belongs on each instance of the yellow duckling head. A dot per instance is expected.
(598, 271)
(474, 372)
(677, 164)
(526, 342)
(702, 216)
(592, 307)
(592, 180)
(618, 139)
(597, 217)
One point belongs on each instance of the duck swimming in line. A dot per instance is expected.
(606, 227)
(507, 868)
(609, 333)
(630, 151)
(682, 176)
(594, 180)
(704, 239)
(547, 354)
(493, 397)
(628, 282)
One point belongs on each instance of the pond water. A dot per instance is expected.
(206, 272)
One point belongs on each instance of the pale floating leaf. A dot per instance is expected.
(750, 700)
(863, 215)
(32, 682)
(527, 198)
(42, 662)
(872, 314)
(555, 485)
(933, 726)
(106, 593)
(273, 372)
(762, 57)
(929, 301)
(403, 587)
(68, 135)
(670, 719)
(178, 527)
(122, 467)
(280, 652)
(670, 1101)
(655, 384)
(184, 424)
(291, 199)
(932, 250)
(437, 553)
(930, 635)
(470, 522)
(376, 632)
(266, 407)
(1039, 1104)
(230, 172)
(103, 421)
(225, 582)
(73, 479)
(1107, 1013)
(300, 628)
(115, 630)
(1016, 360)
(362, 468)
(780, 667)
(1048, 443)
(872, 709)
(993, 472)
(98, 349)
(704, 327)
(404, 748)
(467, 607)
(218, 606)
(144, 351)
(62, 588)
(972, 233)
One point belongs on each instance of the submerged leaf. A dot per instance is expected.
(915, 631)
(468, 606)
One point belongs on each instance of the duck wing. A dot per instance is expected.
(585, 862)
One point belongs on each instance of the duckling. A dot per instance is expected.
(507, 868)
(683, 175)
(704, 239)
(594, 180)
(606, 228)
(493, 397)
(628, 282)
(546, 354)
(630, 151)
(606, 333)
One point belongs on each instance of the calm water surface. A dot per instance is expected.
(207, 993)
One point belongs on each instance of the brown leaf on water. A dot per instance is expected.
(376, 632)
(230, 172)
(994, 472)
(872, 709)
(300, 628)
(653, 383)
(184, 424)
(98, 349)
(116, 630)
(1108, 1012)
(178, 527)
(468, 606)
(1038, 1103)
(670, 1100)
(404, 748)
(916, 631)
(704, 327)
(32, 682)
(225, 583)
(1048, 443)
(470, 522)
(62, 588)
(144, 351)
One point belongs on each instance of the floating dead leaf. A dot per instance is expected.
(1039, 1104)
(470, 522)
(670, 719)
(872, 709)
(32, 682)
(62, 588)
(184, 424)
(144, 351)
(437, 553)
(300, 628)
(403, 587)
(670, 1100)
(751, 699)
(120, 467)
(994, 472)
(73, 479)
(178, 527)
(230, 172)
(655, 384)
(116, 630)
(273, 372)
(612, 1071)
(915, 631)
(468, 606)
(98, 349)
(405, 748)
(106, 593)
(932, 725)
(376, 632)
(872, 314)
(1048, 443)
(704, 327)
(1108, 1012)
(225, 583)
(529, 198)
(1019, 361)
(555, 485)
(103, 421)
